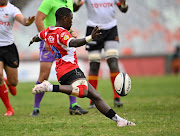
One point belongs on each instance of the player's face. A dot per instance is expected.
(69, 21)
(3, 2)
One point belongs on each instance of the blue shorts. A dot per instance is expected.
(45, 56)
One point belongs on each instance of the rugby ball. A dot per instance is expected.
(122, 84)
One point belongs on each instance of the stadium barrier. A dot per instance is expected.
(133, 65)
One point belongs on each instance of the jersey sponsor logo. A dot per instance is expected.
(51, 39)
(66, 37)
(5, 23)
(102, 5)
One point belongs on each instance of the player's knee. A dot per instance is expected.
(111, 53)
(95, 57)
(13, 82)
(80, 88)
(83, 91)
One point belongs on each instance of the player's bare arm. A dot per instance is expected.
(83, 41)
(39, 20)
(40, 16)
(123, 7)
(76, 5)
(25, 21)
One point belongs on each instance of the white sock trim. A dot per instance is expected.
(50, 88)
(119, 118)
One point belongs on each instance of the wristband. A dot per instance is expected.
(31, 40)
(88, 38)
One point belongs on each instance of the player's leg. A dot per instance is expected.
(12, 78)
(94, 64)
(112, 60)
(12, 89)
(105, 109)
(81, 88)
(45, 68)
(12, 81)
(10, 59)
(46, 61)
(4, 93)
(94, 56)
(111, 48)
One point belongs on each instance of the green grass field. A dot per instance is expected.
(153, 104)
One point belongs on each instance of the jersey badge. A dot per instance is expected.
(66, 37)
(5, 15)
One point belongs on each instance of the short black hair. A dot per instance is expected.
(61, 12)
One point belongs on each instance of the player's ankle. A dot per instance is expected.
(53, 88)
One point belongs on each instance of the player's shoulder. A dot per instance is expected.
(11, 6)
(56, 29)
(46, 2)
(62, 32)
(61, 29)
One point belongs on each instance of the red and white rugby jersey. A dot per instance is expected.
(58, 40)
(7, 18)
(101, 13)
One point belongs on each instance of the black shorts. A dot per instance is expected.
(9, 55)
(69, 77)
(98, 43)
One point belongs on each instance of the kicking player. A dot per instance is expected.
(102, 13)
(72, 79)
(46, 17)
(9, 58)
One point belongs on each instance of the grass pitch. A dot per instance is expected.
(153, 104)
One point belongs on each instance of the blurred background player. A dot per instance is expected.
(102, 13)
(69, 75)
(9, 57)
(46, 17)
(175, 60)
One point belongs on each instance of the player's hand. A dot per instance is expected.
(74, 34)
(95, 32)
(30, 20)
